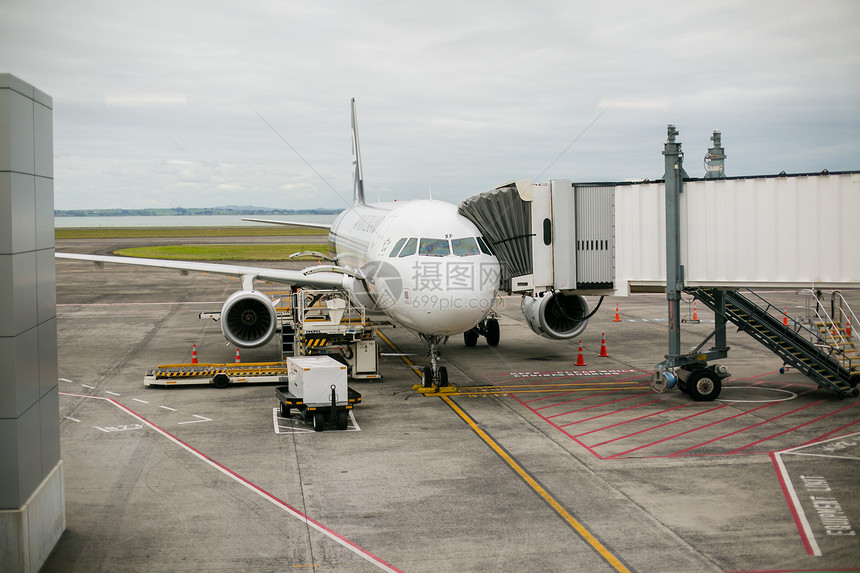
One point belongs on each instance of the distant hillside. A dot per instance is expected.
(227, 210)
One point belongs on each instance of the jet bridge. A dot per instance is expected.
(560, 240)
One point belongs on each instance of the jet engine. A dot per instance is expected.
(248, 319)
(556, 315)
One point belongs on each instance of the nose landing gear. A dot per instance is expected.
(434, 375)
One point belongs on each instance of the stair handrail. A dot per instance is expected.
(837, 296)
(812, 335)
(832, 337)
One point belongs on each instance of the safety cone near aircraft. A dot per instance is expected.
(695, 313)
(237, 356)
(603, 352)
(617, 316)
(848, 327)
(194, 354)
(580, 359)
(785, 316)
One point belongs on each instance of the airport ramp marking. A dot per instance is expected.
(530, 480)
(290, 510)
(612, 404)
(799, 515)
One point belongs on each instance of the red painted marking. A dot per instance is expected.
(559, 428)
(593, 405)
(794, 514)
(660, 426)
(586, 397)
(634, 419)
(806, 424)
(610, 413)
(748, 428)
(368, 555)
(831, 432)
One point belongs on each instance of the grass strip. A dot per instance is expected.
(223, 252)
(182, 232)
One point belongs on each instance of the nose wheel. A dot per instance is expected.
(434, 375)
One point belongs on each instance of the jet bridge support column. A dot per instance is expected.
(690, 371)
(674, 176)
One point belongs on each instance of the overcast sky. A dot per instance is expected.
(159, 103)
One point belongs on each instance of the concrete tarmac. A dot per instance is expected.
(531, 464)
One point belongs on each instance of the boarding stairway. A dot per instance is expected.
(803, 348)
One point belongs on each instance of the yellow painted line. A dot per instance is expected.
(524, 475)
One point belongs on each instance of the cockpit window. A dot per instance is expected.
(409, 248)
(484, 248)
(464, 247)
(434, 247)
(397, 247)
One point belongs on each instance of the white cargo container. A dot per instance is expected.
(311, 378)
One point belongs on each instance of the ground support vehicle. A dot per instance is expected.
(317, 390)
(218, 375)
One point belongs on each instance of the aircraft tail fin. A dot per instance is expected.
(358, 182)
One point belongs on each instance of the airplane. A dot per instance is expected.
(418, 263)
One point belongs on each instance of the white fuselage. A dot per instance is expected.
(424, 265)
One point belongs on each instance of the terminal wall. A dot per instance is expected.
(32, 514)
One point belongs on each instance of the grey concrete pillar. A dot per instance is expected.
(32, 505)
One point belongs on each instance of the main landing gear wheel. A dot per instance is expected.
(704, 385)
(493, 332)
(470, 337)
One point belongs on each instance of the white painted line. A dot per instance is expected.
(65, 380)
(202, 419)
(275, 420)
(354, 423)
(823, 456)
(168, 408)
(72, 419)
(802, 521)
(331, 534)
(141, 401)
(112, 393)
(88, 386)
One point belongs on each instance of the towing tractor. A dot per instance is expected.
(317, 390)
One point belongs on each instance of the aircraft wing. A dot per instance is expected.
(316, 277)
(293, 223)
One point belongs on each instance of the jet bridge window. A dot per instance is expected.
(434, 247)
(409, 248)
(397, 247)
(465, 247)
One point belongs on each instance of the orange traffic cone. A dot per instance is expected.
(695, 313)
(785, 317)
(194, 354)
(237, 356)
(617, 317)
(603, 351)
(580, 359)
(848, 327)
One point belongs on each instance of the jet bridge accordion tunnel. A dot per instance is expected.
(555, 242)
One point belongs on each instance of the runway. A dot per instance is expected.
(530, 464)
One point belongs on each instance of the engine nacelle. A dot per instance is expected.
(556, 315)
(248, 319)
